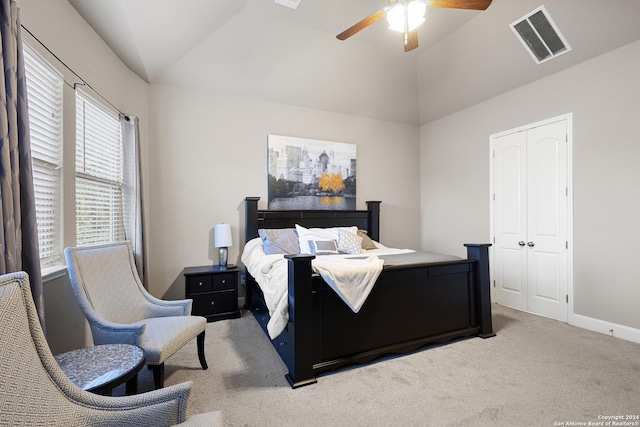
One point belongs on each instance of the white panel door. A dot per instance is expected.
(530, 223)
(510, 219)
(547, 220)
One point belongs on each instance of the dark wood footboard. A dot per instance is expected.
(408, 308)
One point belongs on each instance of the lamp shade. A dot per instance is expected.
(222, 236)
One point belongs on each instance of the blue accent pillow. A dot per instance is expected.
(323, 247)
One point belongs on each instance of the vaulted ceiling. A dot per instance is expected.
(262, 50)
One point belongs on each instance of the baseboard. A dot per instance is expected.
(607, 328)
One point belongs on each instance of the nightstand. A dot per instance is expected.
(214, 291)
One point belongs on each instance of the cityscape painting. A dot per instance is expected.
(310, 174)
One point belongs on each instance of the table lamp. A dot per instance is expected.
(222, 240)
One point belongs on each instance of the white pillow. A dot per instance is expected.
(306, 234)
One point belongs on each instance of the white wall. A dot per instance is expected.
(209, 152)
(58, 26)
(603, 94)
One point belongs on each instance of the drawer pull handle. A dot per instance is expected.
(213, 302)
(224, 280)
(200, 283)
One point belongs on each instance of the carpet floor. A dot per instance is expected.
(535, 372)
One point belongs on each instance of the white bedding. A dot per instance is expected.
(352, 281)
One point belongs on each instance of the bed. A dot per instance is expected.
(410, 306)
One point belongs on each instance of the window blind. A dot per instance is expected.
(99, 173)
(44, 98)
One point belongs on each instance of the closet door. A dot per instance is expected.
(547, 220)
(530, 207)
(510, 219)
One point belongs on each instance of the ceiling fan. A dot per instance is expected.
(406, 15)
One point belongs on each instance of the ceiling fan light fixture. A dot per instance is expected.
(413, 11)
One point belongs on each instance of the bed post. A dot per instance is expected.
(250, 232)
(374, 219)
(250, 218)
(480, 253)
(300, 325)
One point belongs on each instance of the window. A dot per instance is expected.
(44, 97)
(99, 173)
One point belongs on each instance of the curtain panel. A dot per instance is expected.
(132, 193)
(19, 239)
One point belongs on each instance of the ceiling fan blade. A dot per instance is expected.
(361, 25)
(460, 4)
(410, 40)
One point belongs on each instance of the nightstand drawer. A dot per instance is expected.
(199, 283)
(224, 281)
(214, 303)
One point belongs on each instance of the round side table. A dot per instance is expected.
(101, 368)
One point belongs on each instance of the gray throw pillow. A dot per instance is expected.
(279, 240)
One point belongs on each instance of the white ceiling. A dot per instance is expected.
(261, 50)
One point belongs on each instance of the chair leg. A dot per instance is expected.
(158, 375)
(203, 361)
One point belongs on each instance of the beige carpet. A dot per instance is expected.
(535, 372)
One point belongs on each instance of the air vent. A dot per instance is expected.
(540, 36)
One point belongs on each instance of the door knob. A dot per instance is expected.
(521, 243)
(531, 244)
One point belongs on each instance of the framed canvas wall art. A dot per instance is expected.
(310, 174)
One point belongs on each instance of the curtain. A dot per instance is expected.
(132, 193)
(19, 239)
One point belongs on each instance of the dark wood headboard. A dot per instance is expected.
(364, 219)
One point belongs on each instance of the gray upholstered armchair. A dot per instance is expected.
(120, 311)
(35, 391)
